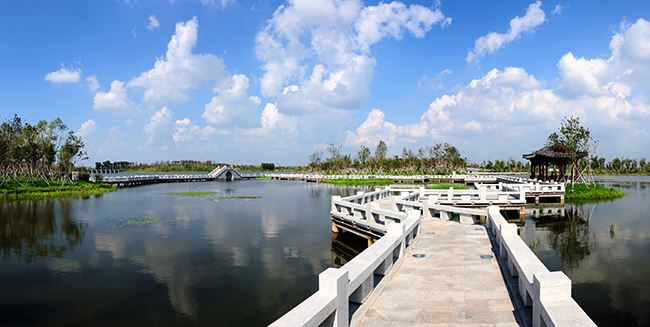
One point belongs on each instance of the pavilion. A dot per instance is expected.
(550, 163)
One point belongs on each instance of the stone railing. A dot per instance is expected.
(549, 293)
(355, 280)
(481, 196)
(532, 185)
(368, 215)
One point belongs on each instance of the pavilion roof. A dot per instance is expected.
(555, 153)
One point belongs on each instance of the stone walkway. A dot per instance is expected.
(452, 285)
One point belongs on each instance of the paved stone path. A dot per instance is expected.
(451, 286)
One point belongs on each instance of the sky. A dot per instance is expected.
(274, 81)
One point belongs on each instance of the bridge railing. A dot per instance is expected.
(477, 196)
(549, 293)
(532, 185)
(365, 197)
(355, 280)
(367, 215)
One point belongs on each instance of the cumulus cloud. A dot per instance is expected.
(316, 54)
(180, 70)
(153, 23)
(158, 126)
(184, 131)
(391, 19)
(493, 41)
(64, 75)
(87, 127)
(509, 108)
(115, 100)
(93, 83)
(231, 102)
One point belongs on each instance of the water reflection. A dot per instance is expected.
(604, 248)
(29, 230)
(230, 262)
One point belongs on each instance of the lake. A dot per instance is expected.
(604, 247)
(141, 256)
(147, 256)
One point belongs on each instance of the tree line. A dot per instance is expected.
(43, 151)
(441, 158)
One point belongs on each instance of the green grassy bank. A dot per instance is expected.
(384, 182)
(583, 192)
(358, 182)
(38, 189)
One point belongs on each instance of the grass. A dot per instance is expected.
(205, 193)
(358, 182)
(444, 186)
(263, 178)
(39, 189)
(583, 192)
(233, 197)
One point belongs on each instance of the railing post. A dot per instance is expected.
(335, 281)
(548, 287)
(334, 199)
(398, 229)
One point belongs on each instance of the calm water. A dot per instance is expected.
(604, 248)
(246, 262)
(232, 262)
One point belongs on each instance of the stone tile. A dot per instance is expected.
(451, 286)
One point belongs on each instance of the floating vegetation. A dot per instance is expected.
(234, 197)
(38, 189)
(196, 193)
(583, 192)
(147, 219)
(612, 231)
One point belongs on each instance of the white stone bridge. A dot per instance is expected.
(424, 269)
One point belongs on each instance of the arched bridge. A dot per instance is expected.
(221, 173)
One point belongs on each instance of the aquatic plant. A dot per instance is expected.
(192, 193)
(582, 192)
(233, 197)
(38, 189)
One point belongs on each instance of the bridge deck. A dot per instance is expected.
(452, 285)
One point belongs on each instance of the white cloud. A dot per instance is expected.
(391, 19)
(557, 10)
(510, 111)
(184, 131)
(87, 128)
(93, 83)
(179, 71)
(115, 100)
(64, 75)
(316, 54)
(436, 82)
(157, 129)
(493, 41)
(153, 23)
(231, 103)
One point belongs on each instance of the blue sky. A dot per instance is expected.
(252, 81)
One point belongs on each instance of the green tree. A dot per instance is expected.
(572, 135)
(363, 155)
(381, 150)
